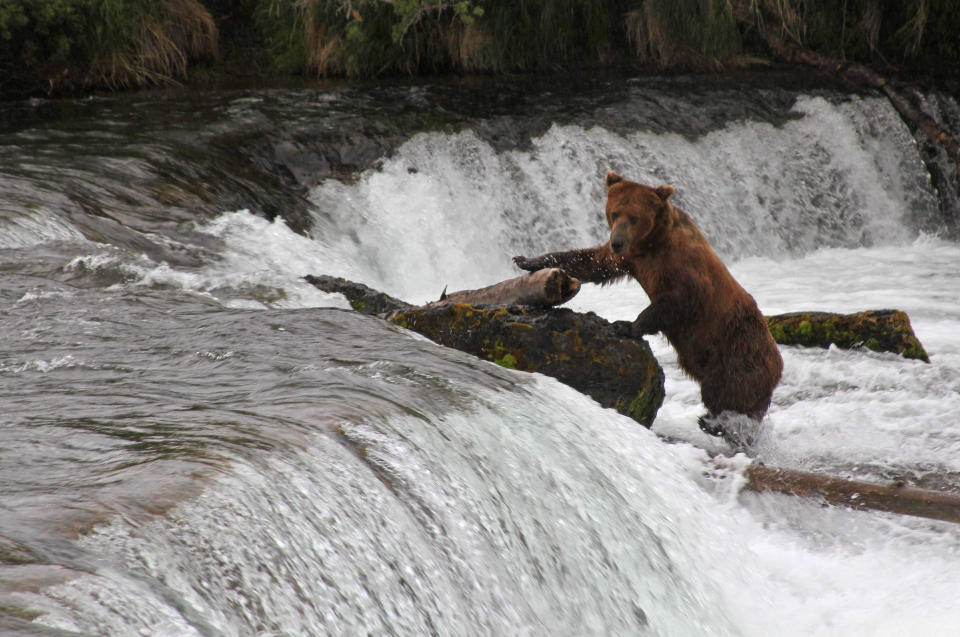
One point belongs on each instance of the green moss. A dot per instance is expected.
(508, 360)
(643, 408)
(463, 316)
(880, 331)
(359, 305)
(640, 407)
(501, 354)
(915, 350)
(401, 320)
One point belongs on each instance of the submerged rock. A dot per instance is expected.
(580, 350)
(877, 330)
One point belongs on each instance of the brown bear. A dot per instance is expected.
(722, 340)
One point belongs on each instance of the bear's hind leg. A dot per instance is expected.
(732, 414)
(740, 430)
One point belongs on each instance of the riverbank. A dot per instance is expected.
(70, 48)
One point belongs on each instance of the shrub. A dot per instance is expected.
(116, 43)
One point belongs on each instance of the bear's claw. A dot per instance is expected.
(710, 426)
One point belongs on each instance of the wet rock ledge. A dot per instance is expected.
(580, 350)
(877, 330)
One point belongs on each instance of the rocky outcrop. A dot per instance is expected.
(361, 297)
(580, 350)
(877, 330)
(584, 351)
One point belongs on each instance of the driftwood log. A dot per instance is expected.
(896, 497)
(543, 288)
(587, 353)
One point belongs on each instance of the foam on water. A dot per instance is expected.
(266, 260)
(511, 518)
(261, 265)
(449, 210)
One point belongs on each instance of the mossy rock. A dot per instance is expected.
(580, 350)
(877, 330)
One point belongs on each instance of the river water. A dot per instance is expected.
(196, 442)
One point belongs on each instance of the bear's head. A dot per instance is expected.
(634, 212)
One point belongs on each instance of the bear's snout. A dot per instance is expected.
(619, 239)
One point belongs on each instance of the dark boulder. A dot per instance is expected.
(581, 350)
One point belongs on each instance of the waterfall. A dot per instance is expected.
(460, 209)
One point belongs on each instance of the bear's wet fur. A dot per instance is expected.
(721, 338)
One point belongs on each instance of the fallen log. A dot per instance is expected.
(543, 288)
(892, 498)
(877, 330)
(580, 350)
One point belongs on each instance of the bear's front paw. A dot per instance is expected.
(623, 329)
(524, 263)
(632, 329)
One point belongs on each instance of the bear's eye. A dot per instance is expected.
(615, 216)
(634, 220)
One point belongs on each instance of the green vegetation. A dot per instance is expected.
(63, 45)
(108, 43)
(508, 360)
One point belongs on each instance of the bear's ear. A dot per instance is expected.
(665, 192)
(613, 178)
